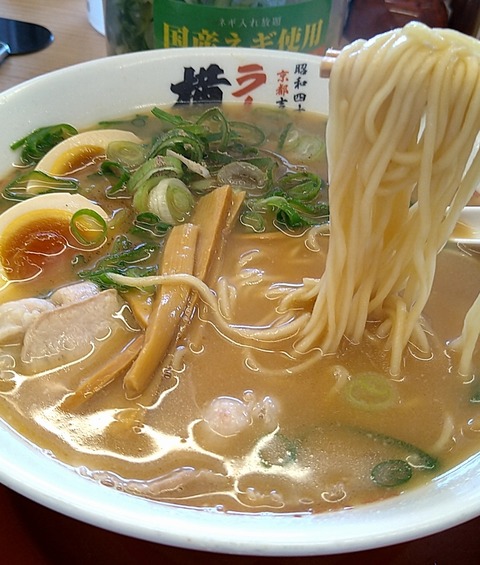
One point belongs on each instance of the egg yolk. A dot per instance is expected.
(76, 159)
(32, 245)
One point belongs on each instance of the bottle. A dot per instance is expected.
(309, 26)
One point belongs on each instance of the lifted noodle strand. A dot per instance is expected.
(404, 118)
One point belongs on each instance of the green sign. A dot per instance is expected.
(297, 27)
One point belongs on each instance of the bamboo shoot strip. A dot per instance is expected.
(105, 375)
(168, 309)
(237, 200)
(214, 214)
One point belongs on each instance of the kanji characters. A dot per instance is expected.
(201, 86)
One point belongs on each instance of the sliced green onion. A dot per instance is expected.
(138, 121)
(253, 220)
(264, 163)
(416, 457)
(278, 452)
(125, 252)
(202, 186)
(38, 143)
(16, 189)
(217, 127)
(156, 167)
(149, 225)
(391, 473)
(141, 194)
(169, 118)
(114, 168)
(118, 173)
(219, 158)
(303, 186)
(270, 167)
(242, 174)
(284, 137)
(181, 141)
(309, 147)
(289, 211)
(129, 154)
(246, 133)
(125, 259)
(88, 227)
(171, 201)
(370, 391)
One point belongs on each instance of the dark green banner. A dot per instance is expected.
(297, 27)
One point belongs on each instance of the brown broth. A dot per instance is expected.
(305, 446)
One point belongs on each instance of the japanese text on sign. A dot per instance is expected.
(285, 39)
(300, 27)
(207, 84)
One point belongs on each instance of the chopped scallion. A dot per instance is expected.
(391, 473)
(150, 225)
(125, 259)
(17, 188)
(181, 141)
(248, 134)
(138, 121)
(171, 201)
(309, 147)
(159, 166)
(303, 186)
(88, 227)
(217, 127)
(370, 391)
(253, 220)
(243, 175)
(278, 452)
(38, 143)
(129, 154)
(140, 197)
(117, 173)
(284, 137)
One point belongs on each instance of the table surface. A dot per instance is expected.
(33, 535)
(75, 40)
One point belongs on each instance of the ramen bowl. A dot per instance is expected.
(112, 88)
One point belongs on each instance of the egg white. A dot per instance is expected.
(53, 163)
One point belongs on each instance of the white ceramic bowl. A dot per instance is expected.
(118, 86)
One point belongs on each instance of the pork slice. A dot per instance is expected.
(72, 293)
(68, 333)
(16, 316)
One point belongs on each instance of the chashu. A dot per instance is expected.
(17, 315)
(68, 333)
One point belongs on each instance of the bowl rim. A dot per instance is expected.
(54, 485)
(445, 502)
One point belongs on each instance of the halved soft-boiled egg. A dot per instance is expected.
(41, 234)
(77, 152)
